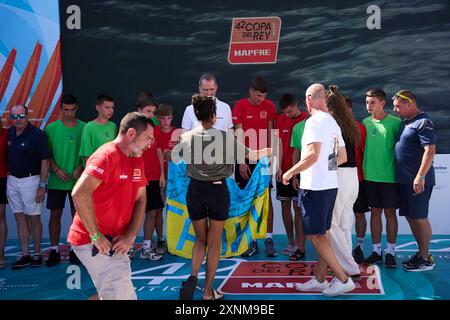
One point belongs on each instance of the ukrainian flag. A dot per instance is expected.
(247, 216)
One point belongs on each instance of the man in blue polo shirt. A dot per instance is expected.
(28, 155)
(414, 155)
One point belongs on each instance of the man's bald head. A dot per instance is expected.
(316, 97)
(18, 108)
(315, 90)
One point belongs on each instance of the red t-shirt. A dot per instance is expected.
(167, 141)
(150, 156)
(256, 117)
(285, 124)
(114, 198)
(3, 159)
(359, 151)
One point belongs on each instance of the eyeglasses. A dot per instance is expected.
(399, 95)
(18, 116)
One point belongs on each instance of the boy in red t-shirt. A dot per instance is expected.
(253, 119)
(154, 171)
(169, 135)
(291, 115)
(3, 199)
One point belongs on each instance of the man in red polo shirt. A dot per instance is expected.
(110, 201)
(253, 119)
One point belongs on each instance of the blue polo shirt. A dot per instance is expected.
(26, 151)
(415, 133)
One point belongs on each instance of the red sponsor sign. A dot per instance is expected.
(254, 40)
(280, 277)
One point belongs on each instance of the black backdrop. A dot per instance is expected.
(124, 47)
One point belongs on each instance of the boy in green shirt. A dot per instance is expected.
(100, 130)
(64, 137)
(382, 131)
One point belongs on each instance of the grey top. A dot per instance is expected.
(209, 154)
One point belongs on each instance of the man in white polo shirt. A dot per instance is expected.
(323, 150)
(207, 86)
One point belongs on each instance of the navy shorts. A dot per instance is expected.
(286, 192)
(56, 199)
(318, 211)
(299, 200)
(382, 194)
(361, 205)
(154, 199)
(414, 206)
(3, 198)
(208, 199)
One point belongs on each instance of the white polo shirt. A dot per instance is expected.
(223, 115)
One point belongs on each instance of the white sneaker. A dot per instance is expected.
(289, 250)
(312, 285)
(149, 254)
(337, 287)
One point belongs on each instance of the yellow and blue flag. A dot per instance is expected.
(247, 215)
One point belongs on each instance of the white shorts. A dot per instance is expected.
(111, 275)
(21, 193)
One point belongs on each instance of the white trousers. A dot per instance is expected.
(111, 275)
(341, 225)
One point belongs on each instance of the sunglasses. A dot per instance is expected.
(18, 116)
(399, 95)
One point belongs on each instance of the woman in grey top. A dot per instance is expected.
(209, 154)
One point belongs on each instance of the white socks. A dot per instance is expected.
(377, 248)
(360, 242)
(147, 244)
(390, 248)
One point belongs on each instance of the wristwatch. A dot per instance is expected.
(420, 177)
(42, 184)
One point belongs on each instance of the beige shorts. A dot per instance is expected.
(111, 275)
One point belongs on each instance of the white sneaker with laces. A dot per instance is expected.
(312, 285)
(149, 254)
(337, 287)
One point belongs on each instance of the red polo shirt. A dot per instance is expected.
(359, 151)
(167, 141)
(256, 117)
(3, 159)
(284, 124)
(150, 156)
(114, 198)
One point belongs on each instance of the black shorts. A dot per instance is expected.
(318, 213)
(208, 199)
(154, 199)
(382, 194)
(3, 198)
(56, 199)
(361, 205)
(241, 182)
(286, 192)
(414, 206)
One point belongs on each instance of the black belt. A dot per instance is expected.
(26, 175)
